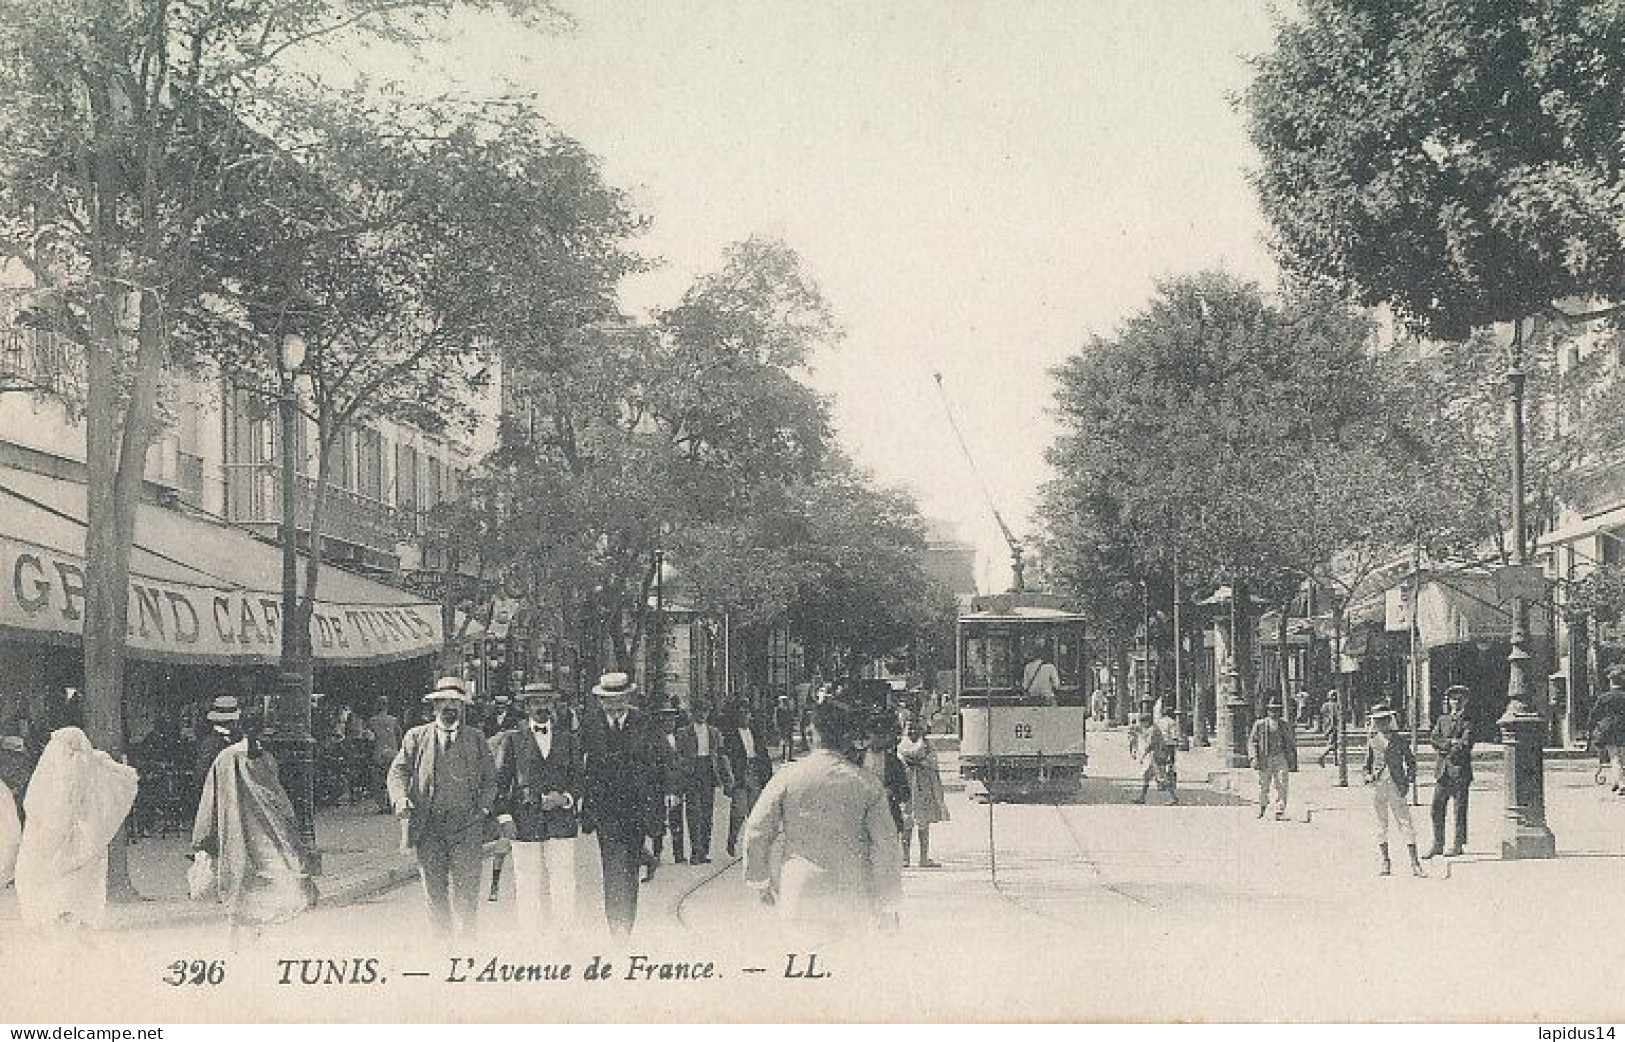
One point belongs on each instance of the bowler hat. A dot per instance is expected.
(450, 688)
(1460, 691)
(538, 689)
(615, 685)
(1276, 703)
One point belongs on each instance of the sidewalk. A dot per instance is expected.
(360, 856)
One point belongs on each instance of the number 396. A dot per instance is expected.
(196, 971)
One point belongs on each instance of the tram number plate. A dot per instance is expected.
(1024, 731)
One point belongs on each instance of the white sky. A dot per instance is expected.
(977, 187)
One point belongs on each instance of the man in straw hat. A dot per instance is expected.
(443, 783)
(629, 786)
(539, 781)
(225, 723)
(1389, 767)
(1273, 752)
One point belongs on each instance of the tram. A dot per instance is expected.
(1015, 737)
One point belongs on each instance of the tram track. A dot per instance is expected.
(1079, 855)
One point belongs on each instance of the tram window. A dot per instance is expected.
(988, 662)
(1069, 661)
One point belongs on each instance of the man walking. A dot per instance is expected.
(626, 774)
(1608, 724)
(1452, 741)
(701, 768)
(751, 765)
(1149, 744)
(1274, 752)
(443, 782)
(1389, 767)
(784, 725)
(842, 866)
(538, 783)
(1331, 726)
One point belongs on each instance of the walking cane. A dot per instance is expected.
(496, 873)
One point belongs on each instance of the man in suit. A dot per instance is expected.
(538, 784)
(443, 782)
(701, 768)
(627, 777)
(1273, 752)
(784, 725)
(1452, 741)
(670, 721)
(751, 764)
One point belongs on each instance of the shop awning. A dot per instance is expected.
(1466, 609)
(200, 591)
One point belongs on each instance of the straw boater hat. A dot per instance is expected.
(538, 689)
(449, 688)
(501, 700)
(1457, 691)
(1276, 703)
(615, 685)
(1381, 709)
(224, 710)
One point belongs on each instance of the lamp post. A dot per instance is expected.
(657, 665)
(289, 733)
(1526, 834)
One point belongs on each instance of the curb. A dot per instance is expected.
(386, 872)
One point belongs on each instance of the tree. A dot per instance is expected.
(1453, 159)
(1244, 439)
(127, 126)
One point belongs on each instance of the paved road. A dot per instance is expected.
(1099, 909)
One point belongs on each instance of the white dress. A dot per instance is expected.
(11, 835)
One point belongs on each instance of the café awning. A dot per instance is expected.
(201, 591)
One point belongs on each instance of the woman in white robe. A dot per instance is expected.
(11, 835)
(77, 799)
(245, 821)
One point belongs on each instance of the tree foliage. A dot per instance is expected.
(1460, 159)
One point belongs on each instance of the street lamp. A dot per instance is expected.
(290, 737)
(1526, 834)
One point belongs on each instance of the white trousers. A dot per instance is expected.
(545, 869)
(1388, 800)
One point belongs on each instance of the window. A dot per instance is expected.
(433, 490)
(343, 473)
(406, 477)
(989, 662)
(370, 464)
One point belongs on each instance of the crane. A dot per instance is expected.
(1017, 559)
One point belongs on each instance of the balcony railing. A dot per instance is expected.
(253, 497)
(42, 361)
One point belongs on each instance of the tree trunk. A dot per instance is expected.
(1120, 681)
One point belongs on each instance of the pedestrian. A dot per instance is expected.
(750, 765)
(1039, 678)
(879, 758)
(1151, 747)
(245, 824)
(1300, 711)
(77, 799)
(1452, 741)
(11, 835)
(386, 742)
(443, 783)
(539, 784)
(1608, 724)
(930, 803)
(670, 720)
(628, 778)
(841, 864)
(504, 715)
(784, 726)
(701, 770)
(225, 720)
(1331, 727)
(1390, 765)
(1273, 753)
(1097, 705)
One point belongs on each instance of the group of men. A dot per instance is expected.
(609, 769)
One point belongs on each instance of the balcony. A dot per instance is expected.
(253, 498)
(41, 361)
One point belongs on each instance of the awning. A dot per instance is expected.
(1466, 609)
(200, 591)
(1596, 524)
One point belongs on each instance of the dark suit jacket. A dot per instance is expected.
(626, 775)
(688, 766)
(1397, 760)
(413, 773)
(523, 777)
(1452, 739)
(759, 767)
